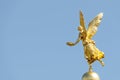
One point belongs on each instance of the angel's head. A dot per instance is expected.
(82, 33)
(80, 28)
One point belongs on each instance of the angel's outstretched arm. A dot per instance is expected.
(73, 44)
(78, 40)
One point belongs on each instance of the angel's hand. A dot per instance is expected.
(70, 43)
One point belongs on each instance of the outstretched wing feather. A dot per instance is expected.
(93, 25)
(82, 22)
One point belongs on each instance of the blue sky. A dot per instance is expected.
(34, 35)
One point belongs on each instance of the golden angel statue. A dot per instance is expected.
(91, 52)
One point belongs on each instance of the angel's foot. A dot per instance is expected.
(101, 62)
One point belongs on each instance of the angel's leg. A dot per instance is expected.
(90, 67)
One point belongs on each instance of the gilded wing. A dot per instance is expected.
(82, 22)
(82, 28)
(93, 25)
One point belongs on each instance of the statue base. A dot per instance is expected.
(90, 75)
